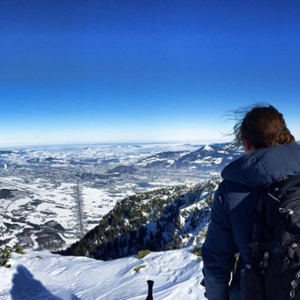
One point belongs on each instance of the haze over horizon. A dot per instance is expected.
(160, 71)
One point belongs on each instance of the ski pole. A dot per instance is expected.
(150, 288)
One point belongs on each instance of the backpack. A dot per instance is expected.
(273, 272)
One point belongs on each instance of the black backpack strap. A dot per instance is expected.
(269, 243)
(262, 227)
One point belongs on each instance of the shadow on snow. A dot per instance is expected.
(26, 287)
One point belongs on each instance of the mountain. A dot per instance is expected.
(51, 197)
(207, 158)
(164, 219)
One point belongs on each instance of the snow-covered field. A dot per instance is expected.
(42, 275)
(46, 201)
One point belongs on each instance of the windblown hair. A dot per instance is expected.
(263, 126)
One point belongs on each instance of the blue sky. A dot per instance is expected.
(89, 71)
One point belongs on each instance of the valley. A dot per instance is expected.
(51, 196)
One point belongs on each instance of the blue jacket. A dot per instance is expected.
(229, 231)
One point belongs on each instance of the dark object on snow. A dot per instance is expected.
(150, 288)
(274, 270)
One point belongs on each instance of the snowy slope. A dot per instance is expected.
(41, 275)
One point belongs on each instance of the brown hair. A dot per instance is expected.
(263, 126)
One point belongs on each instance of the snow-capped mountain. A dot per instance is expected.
(208, 158)
(50, 197)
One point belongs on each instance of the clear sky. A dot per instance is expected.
(136, 70)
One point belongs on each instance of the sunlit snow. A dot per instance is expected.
(42, 275)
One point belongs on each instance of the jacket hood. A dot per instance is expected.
(265, 165)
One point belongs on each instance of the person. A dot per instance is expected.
(271, 154)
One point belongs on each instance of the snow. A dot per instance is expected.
(41, 275)
(44, 181)
(207, 148)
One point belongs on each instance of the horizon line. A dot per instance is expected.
(61, 143)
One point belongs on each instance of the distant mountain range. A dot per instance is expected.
(40, 206)
(209, 158)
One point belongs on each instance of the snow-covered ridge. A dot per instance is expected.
(40, 275)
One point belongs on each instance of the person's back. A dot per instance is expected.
(271, 154)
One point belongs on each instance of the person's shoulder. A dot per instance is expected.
(230, 186)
